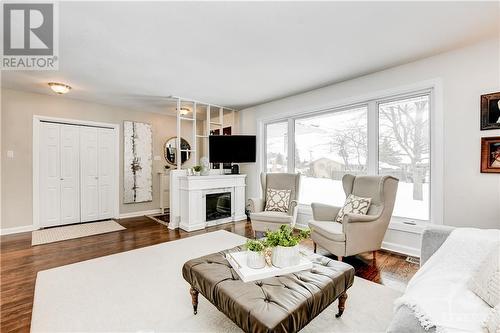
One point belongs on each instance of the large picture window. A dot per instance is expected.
(328, 146)
(378, 137)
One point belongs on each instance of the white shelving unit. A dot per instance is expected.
(210, 124)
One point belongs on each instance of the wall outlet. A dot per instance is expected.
(10, 153)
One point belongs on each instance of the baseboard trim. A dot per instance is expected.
(16, 230)
(140, 213)
(402, 249)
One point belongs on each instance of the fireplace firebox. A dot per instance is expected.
(218, 206)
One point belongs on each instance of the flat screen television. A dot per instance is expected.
(232, 148)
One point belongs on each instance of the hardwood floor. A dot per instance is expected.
(20, 262)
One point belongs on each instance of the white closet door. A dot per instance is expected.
(50, 174)
(107, 171)
(70, 174)
(89, 173)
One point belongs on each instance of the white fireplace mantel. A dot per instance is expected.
(192, 191)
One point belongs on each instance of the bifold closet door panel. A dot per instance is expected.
(89, 173)
(107, 172)
(50, 174)
(70, 174)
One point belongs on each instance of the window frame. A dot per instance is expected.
(264, 156)
(432, 89)
(378, 102)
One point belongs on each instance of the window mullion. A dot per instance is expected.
(372, 138)
(291, 146)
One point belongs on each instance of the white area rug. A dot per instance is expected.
(73, 231)
(143, 291)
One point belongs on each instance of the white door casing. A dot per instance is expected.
(61, 156)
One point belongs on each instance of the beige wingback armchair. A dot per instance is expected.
(357, 233)
(262, 220)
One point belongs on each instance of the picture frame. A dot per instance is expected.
(490, 154)
(490, 111)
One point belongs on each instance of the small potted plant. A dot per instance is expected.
(197, 170)
(285, 245)
(255, 253)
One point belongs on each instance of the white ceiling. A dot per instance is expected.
(133, 54)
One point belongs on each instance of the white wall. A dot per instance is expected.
(17, 110)
(470, 198)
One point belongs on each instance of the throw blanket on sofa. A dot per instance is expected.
(438, 292)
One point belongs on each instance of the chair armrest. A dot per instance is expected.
(322, 212)
(353, 218)
(432, 239)
(255, 205)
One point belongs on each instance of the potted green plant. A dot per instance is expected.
(285, 245)
(197, 170)
(255, 253)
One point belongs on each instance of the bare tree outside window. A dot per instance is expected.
(328, 146)
(404, 152)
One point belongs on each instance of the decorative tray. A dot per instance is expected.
(238, 261)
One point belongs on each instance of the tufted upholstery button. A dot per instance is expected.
(259, 283)
(266, 300)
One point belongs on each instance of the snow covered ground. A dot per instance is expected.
(330, 191)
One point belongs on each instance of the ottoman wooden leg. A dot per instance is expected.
(315, 247)
(342, 299)
(194, 299)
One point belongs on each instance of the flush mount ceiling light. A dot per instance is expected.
(184, 111)
(59, 88)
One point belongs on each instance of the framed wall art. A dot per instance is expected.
(490, 154)
(490, 111)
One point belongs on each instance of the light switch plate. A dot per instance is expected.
(10, 153)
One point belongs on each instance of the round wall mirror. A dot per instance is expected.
(170, 150)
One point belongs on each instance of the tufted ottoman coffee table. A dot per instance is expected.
(279, 304)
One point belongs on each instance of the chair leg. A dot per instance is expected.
(315, 247)
(340, 258)
(374, 255)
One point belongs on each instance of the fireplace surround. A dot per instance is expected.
(193, 199)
